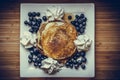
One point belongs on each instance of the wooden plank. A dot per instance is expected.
(108, 74)
(11, 30)
(9, 74)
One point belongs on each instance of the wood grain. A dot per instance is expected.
(107, 39)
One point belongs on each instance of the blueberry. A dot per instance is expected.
(30, 23)
(39, 20)
(30, 49)
(79, 62)
(35, 64)
(38, 14)
(75, 57)
(83, 27)
(39, 65)
(84, 19)
(84, 59)
(77, 54)
(76, 66)
(37, 59)
(44, 18)
(31, 52)
(70, 61)
(67, 64)
(26, 22)
(35, 27)
(30, 14)
(30, 56)
(35, 30)
(81, 30)
(76, 24)
(76, 20)
(34, 19)
(38, 25)
(42, 58)
(34, 14)
(83, 66)
(71, 66)
(39, 55)
(30, 18)
(33, 23)
(80, 21)
(34, 60)
(76, 16)
(77, 28)
(84, 23)
(82, 16)
(74, 61)
(29, 61)
(80, 25)
(36, 51)
(31, 30)
(69, 17)
(82, 53)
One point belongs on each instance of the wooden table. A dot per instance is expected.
(107, 39)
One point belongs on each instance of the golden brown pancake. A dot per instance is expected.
(56, 39)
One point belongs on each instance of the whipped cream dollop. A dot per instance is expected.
(83, 42)
(54, 13)
(28, 39)
(51, 66)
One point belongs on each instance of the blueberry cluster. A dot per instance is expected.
(34, 21)
(35, 57)
(80, 23)
(75, 60)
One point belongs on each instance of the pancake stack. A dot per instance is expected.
(55, 39)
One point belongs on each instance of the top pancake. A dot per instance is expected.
(56, 39)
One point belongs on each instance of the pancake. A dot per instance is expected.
(55, 39)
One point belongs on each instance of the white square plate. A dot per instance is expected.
(27, 70)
